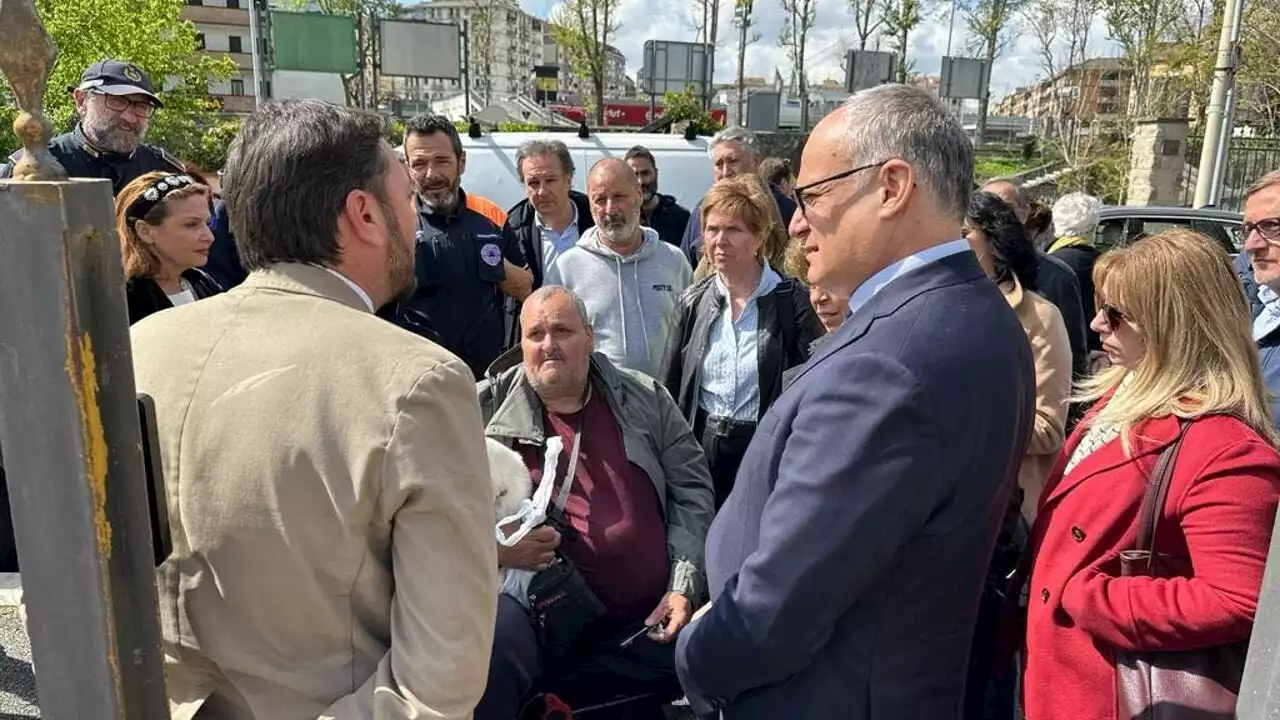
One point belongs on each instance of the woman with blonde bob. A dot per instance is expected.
(741, 327)
(163, 223)
(1174, 322)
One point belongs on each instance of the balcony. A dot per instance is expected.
(234, 104)
(214, 15)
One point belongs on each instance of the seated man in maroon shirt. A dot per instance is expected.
(638, 510)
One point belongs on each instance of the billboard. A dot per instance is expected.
(415, 48)
(625, 114)
(763, 110)
(868, 68)
(313, 42)
(964, 78)
(674, 66)
(546, 83)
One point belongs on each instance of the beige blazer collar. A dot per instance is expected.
(302, 279)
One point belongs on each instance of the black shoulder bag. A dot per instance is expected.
(561, 604)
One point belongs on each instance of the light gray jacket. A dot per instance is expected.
(634, 300)
(657, 439)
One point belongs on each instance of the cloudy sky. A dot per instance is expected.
(673, 20)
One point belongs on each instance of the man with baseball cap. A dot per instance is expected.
(115, 101)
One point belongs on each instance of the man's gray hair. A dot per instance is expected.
(546, 291)
(536, 148)
(910, 124)
(740, 135)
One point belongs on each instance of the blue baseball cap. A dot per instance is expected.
(115, 77)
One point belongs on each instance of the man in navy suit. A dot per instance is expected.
(846, 566)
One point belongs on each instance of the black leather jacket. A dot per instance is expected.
(788, 327)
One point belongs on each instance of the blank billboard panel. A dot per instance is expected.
(763, 110)
(675, 66)
(314, 42)
(964, 78)
(411, 48)
(869, 68)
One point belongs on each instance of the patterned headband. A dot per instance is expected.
(155, 194)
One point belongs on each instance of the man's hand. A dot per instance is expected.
(535, 552)
(674, 612)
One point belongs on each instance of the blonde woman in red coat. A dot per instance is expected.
(1175, 325)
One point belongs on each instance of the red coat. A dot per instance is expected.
(1219, 513)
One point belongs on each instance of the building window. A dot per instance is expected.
(199, 41)
(234, 44)
(197, 3)
(233, 4)
(237, 86)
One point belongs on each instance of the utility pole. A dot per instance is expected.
(466, 68)
(255, 37)
(1218, 120)
(744, 24)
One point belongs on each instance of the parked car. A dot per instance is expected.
(1119, 225)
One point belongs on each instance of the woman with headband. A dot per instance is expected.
(163, 223)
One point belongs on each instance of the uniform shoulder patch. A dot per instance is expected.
(166, 156)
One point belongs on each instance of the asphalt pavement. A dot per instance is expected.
(17, 681)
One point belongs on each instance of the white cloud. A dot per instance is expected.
(832, 34)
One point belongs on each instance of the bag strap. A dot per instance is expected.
(1157, 492)
(562, 496)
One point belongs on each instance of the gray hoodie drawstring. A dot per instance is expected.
(622, 301)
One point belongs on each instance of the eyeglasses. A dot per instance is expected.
(120, 103)
(1113, 315)
(797, 194)
(1268, 228)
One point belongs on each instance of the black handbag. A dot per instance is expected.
(561, 604)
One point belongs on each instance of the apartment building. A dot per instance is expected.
(616, 82)
(1094, 90)
(505, 43)
(222, 28)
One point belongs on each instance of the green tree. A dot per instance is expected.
(584, 28)
(148, 33)
(990, 23)
(686, 106)
(801, 15)
(210, 151)
(901, 17)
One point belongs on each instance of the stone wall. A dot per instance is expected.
(1157, 162)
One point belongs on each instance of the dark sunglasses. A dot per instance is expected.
(119, 103)
(797, 194)
(1268, 228)
(1114, 316)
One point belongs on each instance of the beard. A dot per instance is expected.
(111, 133)
(401, 280)
(441, 196)
(618, 228)
(649, 191)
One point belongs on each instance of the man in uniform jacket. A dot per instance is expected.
(845, 568)
(115, 102)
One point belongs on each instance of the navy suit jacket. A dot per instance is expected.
(846, 566)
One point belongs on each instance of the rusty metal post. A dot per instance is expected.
(1260, 688)
(69, 422)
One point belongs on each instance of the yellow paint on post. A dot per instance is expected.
(82, 366)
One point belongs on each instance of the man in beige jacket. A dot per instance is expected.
(331, 511)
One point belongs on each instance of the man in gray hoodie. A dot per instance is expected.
(629, 279)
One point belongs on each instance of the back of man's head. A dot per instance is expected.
(288, 174)
(1012, 193)
(900, 121)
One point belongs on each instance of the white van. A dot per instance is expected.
(684, 166)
